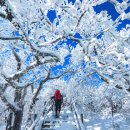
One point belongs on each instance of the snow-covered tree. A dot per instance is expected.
(32, 44)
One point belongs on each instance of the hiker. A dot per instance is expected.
(58, 99)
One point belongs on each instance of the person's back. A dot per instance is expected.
(58, 98)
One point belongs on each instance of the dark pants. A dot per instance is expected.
(57, 107)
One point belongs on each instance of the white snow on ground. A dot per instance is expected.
(97, 122)
(66, 126)
(64, 122)
(102, 123)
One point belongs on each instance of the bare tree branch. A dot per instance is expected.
(80, 18)
(60, 75)
(23, 96)
(10, 38)
(17, 59)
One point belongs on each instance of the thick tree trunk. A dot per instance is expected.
(18, 114)
(17, 120)
(9, 121)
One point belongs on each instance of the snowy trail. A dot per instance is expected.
(64, 122)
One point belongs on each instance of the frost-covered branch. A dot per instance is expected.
(8, 104)
(44, 17)
(53, 41)
(18, 26)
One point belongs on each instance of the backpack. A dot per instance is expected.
(57, 95)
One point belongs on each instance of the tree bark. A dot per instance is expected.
(9, 121)
(17, 120)
(19, 113)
